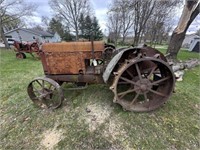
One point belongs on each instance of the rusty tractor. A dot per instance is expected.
(22, 48)
(140, 78)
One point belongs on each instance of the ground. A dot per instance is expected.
(89, 120)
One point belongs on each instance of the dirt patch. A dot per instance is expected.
(95, 115)
(114, 130)
(51, 138)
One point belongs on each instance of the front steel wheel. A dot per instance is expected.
(45, 93)
(143, 84)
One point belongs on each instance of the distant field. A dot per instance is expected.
(175, 126)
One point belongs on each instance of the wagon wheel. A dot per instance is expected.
(45, 92)
(20, 55)
(143, 84)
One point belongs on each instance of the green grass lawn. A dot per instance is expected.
(184, 54)
(24, 126)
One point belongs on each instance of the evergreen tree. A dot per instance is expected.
(67, 36)
(90, 27)
(82, 25)
(97, 33)
(55, 25)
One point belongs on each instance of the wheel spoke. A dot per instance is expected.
(122, 94)
(39, 83)
(43, 86)
(161, 80)
(145, 97)
(152, 71)
(49, 92)
(138, 71)
(129, 73)
(123, 83)
(129, 81)
(35, 90)
(158, 93)
(50, 86)
(135, 98)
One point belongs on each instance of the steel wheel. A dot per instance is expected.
(24, 56)
(20, 55)
(143, 84)
(45, 92)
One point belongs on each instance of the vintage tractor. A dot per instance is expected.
(140, 78)
(21, 48)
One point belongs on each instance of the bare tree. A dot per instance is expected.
(190, 11)
(70, 11)
(131, 13)
(125, 16)
(114, 26)
(45, 20)
(141, 17)
(142, 11)
(15, 23)
(158, 24)
(12, 11)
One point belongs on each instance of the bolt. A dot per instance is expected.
(115, 73)
(111, 88)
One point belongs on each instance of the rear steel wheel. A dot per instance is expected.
(143, 84)
(45, 93)
(20, 55)
(24, 56)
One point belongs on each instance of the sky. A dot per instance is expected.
(100, 8)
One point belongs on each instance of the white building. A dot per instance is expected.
(189, 38)
(195, 45)
(31, 35)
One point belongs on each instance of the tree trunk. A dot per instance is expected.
(77, 38)
(76, 30)
(123, 39)
(136, 40)
(4, 38)
(190, 11)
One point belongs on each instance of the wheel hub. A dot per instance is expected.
(45, 93)
(143, 86)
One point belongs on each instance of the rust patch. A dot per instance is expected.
(72, 46)
(69, 57)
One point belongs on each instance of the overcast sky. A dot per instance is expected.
(100, 8)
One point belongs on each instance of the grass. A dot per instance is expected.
(24, 126)
(184, 54)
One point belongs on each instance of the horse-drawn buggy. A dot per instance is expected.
(140, 78)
